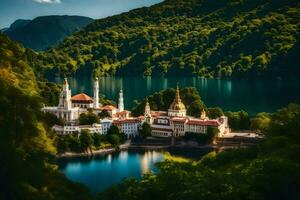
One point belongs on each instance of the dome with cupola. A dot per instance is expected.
(177, 108)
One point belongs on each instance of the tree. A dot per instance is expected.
(113, 130)
(61, 144)
(98, 139)
(196, 108)
(260, 122)
(233, 120)
(212, 133)
(114, 139)
(86, 139)
(215, 112)
(103, 114)
(145, 131)
(51, 119)
(27, 153)
(73, 143)
(238, 120)
(244, 120)
(89, 118)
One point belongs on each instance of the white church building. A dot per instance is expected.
(70, 107)
(171, 123)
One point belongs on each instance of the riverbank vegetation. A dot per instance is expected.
(227, 38)
(86, 142)
(173, 158)
(269, 171)
(212, 133)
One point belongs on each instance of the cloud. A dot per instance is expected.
(48, 1)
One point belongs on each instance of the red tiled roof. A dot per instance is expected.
(108, 107)
(158, 113)
(131, 120)
(122, 113)
(182, 120)
(204, 122)
(141, 117)
(81, 97)
(123, 121)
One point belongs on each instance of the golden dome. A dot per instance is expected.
(177, 104)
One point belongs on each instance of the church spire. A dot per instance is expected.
(147, 113)
(177, 95)
(121, 101)
(96, 93)
(177, 108)
(65, 96)
(203, 114)
(147, 108)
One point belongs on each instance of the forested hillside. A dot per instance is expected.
(269, 171)
(27, 153)
(220, 38)
(45, 31)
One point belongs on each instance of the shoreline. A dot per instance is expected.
(228, 143)
(131, 147)
(124, 146)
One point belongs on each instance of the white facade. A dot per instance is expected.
(64, 110)
(121, 102)
(95, 128)
(176, 123)
(106, 124)
(65, 96)
(130, 126)
(96, 93)
(83, 105)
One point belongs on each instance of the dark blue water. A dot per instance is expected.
(251, 95)
(102, 171)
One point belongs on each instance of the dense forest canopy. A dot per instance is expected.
(220, 38)
(267, 172)
(27, 169)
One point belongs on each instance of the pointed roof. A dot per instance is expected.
(177, 103)
(203, 114)
(65, 81)
(109, 107)
(81, 97)
(147, 103)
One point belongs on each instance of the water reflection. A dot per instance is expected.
(101, 171)
(251, 95)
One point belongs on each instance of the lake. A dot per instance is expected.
(251, 95)
(102, 171)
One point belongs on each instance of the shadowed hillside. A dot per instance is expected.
(44, 32)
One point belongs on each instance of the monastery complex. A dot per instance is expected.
(173, 122)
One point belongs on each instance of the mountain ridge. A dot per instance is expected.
(43, 32)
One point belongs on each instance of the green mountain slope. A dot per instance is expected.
(46, 31)
(27, 153)
(191, 37)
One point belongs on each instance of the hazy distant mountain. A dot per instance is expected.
(4, 29)
(46, 31)
(19, 23)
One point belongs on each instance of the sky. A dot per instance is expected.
(11, 10)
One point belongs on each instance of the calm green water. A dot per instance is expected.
(102, 171)
(251, 95)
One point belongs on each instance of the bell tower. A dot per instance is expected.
(96, 93)
(121, 101)
(147, 114)
(65, 96)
